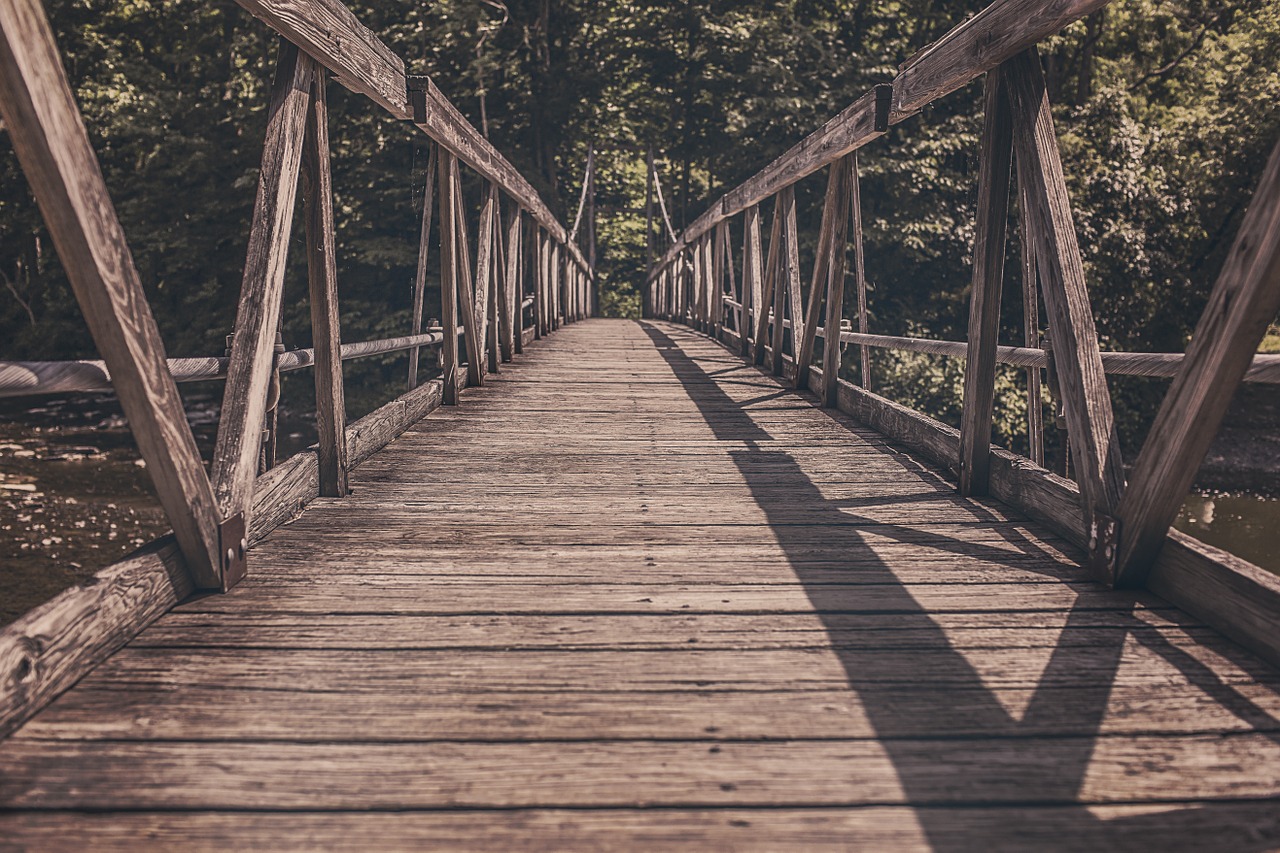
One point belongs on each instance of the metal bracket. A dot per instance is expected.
(416, 87)
(233, 543)
(1104, 543)
(884, 105)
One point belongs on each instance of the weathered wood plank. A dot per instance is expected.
(450, 265)
(833, 209)
(53, 149)
(322, 283)
(1244, 302)
(1094, 442)
(424, 246)
(996, 160)
(244, 401)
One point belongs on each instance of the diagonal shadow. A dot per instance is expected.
(931, 694)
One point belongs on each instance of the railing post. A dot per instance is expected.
(988, 279)
(420, 277)
(752, 275)
(1244, 301)
(1030, 326)
(449, 277)
(53, 149)
(244, 402)
(322, 284)
(1099, 467)
(834, 216)
(859, 269)
(847, 171)
(763, 329)
(509, 322)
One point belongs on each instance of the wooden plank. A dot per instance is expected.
(990, 232)
(473, 335)
(389, 776)
(487, 267)
(859, 274)
(791, 272)
(1244, 302)
(53, 149)
(752, 280)
(449, 272)
(424, 245)
(847, 169)
(832, 209)
(322, 283)
(997, 33)
(1031, 326)
(244, 401)
(507, 284)
(1094, 443)
(718, 266)
(1173, 827)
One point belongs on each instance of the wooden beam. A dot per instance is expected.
(846, 170)
(244, 401)
(969, 50)
(859, 270)
(990, 233)
(54, 151)
(322, 284)
(449, 265)
(497, 289)
(999, 32)
(1244, 302)
(833, 208)
(466, 288)
(420, 276)
(1100, 469)
(752, 278)
(509, 285)
(486, 269)
(1031, 327)
(770, 279)
(791, 274)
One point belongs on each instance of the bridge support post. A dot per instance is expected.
(322, 284)
(847, 195)
(988, 280)
(752, 279)
(424, 245)
(53, 149)
(448, 277)
(1078, 361)
(1244, 301)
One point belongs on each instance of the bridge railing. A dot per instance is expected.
(1123, 526)
(526, 268)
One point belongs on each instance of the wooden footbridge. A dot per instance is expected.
(670, 583)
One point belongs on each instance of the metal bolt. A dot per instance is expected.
(244, 546)
(231, 556)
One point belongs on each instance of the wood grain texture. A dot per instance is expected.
(424, 250)
(752, 279)
(322, 283)
(847, 169)
(53, 148)
(698, 594)
(1243, 303)
(833, 209)
(244, 401)
(986, 287)
(467, 286)
(1095, 446)
(449, 272)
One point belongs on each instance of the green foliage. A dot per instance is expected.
(1165, 112)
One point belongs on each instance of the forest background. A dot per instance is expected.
(1165, 112)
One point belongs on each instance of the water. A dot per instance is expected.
(1246, 525)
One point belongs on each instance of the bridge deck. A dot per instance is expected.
(635, 592)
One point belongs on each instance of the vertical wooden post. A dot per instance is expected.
(1030, 327)
(1244, 301)
(648, 219)
(752, 278)
(510, 291)
(988, 279)
(244, 401)
(726, 249)
(847, 169)
(717, 278)
(859, 269)
(539, 248)
(485, 269)
(497, 289)
(791, 269)
(763, 330)
(466, 294)
(53, 149)
(1099, 467)
(322, 285)
(833, 209)
(449, 276)
(518, 291)
(420, 277)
